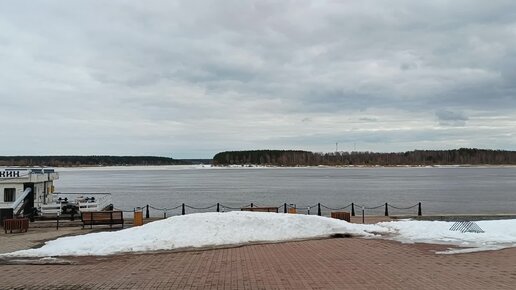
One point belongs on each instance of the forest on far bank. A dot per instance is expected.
(74, 161)
(462, 156)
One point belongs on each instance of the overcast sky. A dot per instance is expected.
(187, 79)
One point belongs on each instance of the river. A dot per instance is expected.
(441, 190)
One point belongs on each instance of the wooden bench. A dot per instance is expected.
(102, 218)
(22, 225)
(341, 215)
(261, 209)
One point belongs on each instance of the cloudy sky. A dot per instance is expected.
(188, 79)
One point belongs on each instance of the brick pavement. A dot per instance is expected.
(34, 237)
(347, 263)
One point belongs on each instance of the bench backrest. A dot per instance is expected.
(261, 209)
(102, 215)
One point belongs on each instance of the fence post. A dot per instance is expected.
(419, 209)
(363, 215)
(218, 207)
(183, 209)
(319, 209)
(386, 209)
(352, 209)
(285, 207)
(147, 215)
(164, 214)
(252, 204)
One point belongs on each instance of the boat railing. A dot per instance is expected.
(97, 204)
(84, 202)
(51, 209)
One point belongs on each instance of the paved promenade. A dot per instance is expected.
(34, 237)
(345, 263)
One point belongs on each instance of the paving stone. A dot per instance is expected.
(346, 263)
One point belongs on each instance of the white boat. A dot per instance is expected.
(30, 192)
(77, 202)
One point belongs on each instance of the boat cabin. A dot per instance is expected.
(23, 189)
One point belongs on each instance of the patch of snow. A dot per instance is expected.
(498, 234)
(135, 168)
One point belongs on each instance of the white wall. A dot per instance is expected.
(19, 191)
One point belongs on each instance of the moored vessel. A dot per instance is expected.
(30, 192)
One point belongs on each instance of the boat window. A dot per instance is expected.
(9, 194)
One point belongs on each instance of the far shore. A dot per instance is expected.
(135, 166)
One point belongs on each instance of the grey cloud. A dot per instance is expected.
(450, 118)
(408, 66)
(368, 119)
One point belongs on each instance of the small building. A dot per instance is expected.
(24, 189)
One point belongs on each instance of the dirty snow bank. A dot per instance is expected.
(200, 230)
(216, 229)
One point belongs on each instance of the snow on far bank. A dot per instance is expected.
(232, 228)
(134, 168)
(254, 166)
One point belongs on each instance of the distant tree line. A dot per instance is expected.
(418, 157)
(72, 161)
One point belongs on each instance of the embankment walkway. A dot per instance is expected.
(341, 263)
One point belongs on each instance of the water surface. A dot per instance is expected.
(444, 190)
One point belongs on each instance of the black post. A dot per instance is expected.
(57, 224)
(319, 209)
(352, 209)
(164, 214)
(252, 205)
(386, 209)
(32, 214)
(218, 207)
(285, 207)
(419, 209)
(183, 209)
(147, 215)
(363, 215)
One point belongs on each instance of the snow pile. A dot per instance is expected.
(232, 228)
(200, 230)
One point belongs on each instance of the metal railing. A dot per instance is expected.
(311, 209)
